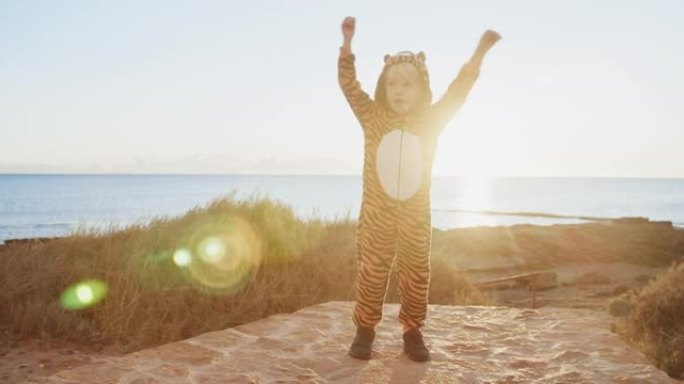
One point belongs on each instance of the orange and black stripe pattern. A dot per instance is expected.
(394, 222)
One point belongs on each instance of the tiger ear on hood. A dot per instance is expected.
(421, 56)
(387, 59)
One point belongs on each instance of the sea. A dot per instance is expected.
(52, 205)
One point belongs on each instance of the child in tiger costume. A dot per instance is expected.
(400, 127)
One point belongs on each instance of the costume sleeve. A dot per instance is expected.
(452, 101)
(360, 102)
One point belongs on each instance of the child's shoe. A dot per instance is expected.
(363, 343)
(414, 346)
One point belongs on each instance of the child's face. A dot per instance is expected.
(402, 84)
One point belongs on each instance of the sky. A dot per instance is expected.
(573, 89)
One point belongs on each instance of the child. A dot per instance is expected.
(400, 130)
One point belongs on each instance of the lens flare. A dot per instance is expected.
(212, 249)
(226, 250)
(84, 294)
(182, 257)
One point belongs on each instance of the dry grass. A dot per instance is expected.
(655, 324)
(151, 300)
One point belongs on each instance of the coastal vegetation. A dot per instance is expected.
(234, 261)
(224, 264)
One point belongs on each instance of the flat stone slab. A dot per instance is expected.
(468, 345)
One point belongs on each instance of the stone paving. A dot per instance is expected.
(468, 345)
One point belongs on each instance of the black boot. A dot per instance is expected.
(363, 343)
(414, 346)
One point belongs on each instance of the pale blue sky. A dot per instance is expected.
(574, 88)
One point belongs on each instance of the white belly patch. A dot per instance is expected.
(399, 164)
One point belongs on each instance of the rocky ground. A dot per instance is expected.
(590, 266)
(468, 345)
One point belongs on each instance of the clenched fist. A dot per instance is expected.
(489, 38)
(348, 27)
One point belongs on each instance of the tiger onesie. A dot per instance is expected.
(394, 220)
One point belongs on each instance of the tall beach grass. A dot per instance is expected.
(655, 324)
(155, 297)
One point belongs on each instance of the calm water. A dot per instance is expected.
(55, 205)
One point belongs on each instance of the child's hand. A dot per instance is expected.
(348, 28)
(488, 39)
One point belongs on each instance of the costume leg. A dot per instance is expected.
(413, 266)
(376, 247)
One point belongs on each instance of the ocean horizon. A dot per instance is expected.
(51, 205)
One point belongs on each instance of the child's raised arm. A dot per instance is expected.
(348, 29)
(456, 95)
(360, 102)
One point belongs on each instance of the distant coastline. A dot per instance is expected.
(238, 174)
(46, 205)
(530, 214)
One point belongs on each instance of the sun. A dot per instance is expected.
(470, 203)
(476, 194)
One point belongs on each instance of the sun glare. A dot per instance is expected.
(477, 194)
(219, 254)
(212, 249)
(182, 257)
(474, 196)
(83, 294)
